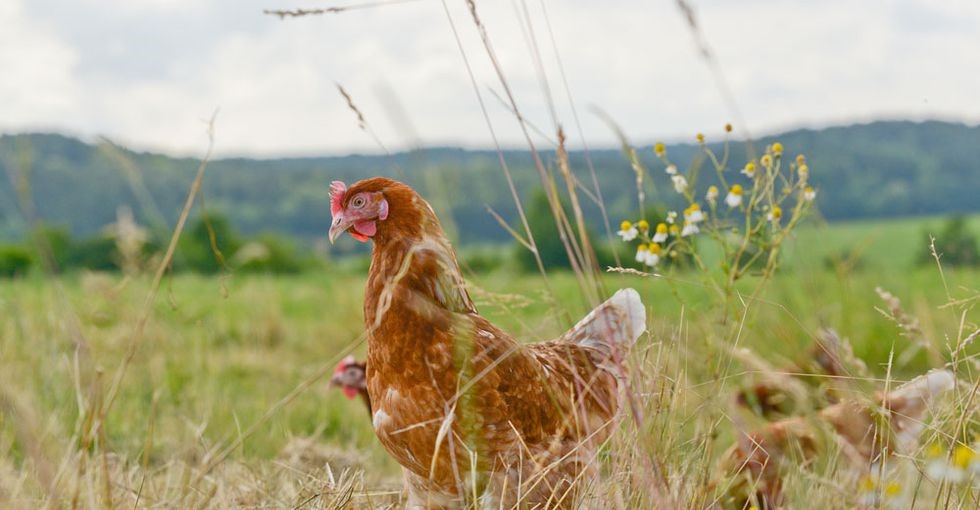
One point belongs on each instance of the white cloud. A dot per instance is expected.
(147, 73)
(35, 72)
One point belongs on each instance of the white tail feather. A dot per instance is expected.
(617, 323)
(910, 402)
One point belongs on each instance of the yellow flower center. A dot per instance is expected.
(800, 159)
(963, 455)
(643, 225)
(777, 148)
(625, 225)
(641, 247)
(674, 229)
(728, 128)
(713, 190)
(766, 160)
(777, 212)
(867, 484)
(893, 489)
(934, 451)
(661, 228)
(694, 207)
(804, 169)
(655, 249)
(660, 149)
(750, 167)
(736, 189)
(700, 138)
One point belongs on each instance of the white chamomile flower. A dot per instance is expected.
(775, 215)
(693, 214)
(689, 229)
(652, 255)
(627, 231)
(671, 217)
(734, 197)
(660, 235)
(641, 253)
(749, 169)
(804, 172)
(877, 491)
(809, 194)
(954, 468)
(671, 169)
(712, 194)
(680, 183)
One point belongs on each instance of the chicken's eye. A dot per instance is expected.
(358, 202)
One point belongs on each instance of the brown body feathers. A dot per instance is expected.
(467, 410)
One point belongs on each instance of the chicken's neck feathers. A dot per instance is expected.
(414, 270)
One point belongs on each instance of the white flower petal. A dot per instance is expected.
(733, 200)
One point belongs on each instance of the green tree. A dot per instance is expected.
(15, 260)
(550, 247)
(956, 244)
(207, 244)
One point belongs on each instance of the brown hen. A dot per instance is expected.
(471, 414)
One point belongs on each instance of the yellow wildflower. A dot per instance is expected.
(660, 149)
(777, 149)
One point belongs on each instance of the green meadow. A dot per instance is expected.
(233, 369)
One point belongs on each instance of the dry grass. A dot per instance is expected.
(212, 395)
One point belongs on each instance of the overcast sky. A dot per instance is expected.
(147, 72)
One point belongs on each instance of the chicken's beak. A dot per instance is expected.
(339, 226)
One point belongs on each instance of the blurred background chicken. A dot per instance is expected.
(811, 382)
(350, 376)
(864, 430)
(459, 403)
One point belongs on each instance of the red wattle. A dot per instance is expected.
(366, 228)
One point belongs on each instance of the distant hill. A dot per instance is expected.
(879, 169)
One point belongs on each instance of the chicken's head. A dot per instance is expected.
(356, 210)
(350, 376)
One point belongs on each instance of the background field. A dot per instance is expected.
(220, 351)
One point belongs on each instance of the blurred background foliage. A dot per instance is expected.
(270, 215)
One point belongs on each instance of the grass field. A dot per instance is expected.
(197, 420)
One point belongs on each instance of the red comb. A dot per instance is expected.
(344, 363)
(337, 192)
